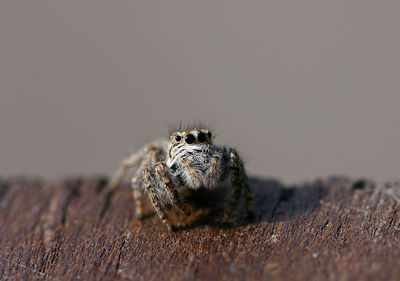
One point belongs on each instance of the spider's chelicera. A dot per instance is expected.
(188, 160)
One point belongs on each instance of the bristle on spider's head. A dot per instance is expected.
(189, 126)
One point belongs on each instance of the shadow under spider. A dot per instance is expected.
(272, 201)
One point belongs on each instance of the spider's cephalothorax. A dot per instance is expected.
(188, 160)
(195, 161)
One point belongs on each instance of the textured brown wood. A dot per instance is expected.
(332, 229)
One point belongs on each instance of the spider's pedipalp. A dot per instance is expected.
(217, 171)
(190, 174)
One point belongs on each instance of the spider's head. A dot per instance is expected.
(192, 138)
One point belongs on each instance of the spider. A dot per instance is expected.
(187, 160)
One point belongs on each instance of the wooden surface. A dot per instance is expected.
(332, 229)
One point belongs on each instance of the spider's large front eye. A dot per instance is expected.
(201, 137)
(178, 138)
(189, 139)
(209, 134)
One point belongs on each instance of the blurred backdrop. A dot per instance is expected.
(302, 88)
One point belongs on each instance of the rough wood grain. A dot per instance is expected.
(332, 229)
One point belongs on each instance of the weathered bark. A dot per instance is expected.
(332, 229)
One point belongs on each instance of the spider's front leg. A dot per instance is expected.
(149, 183)
(240, 183)
(161, 182)
(165, 178)
(152, 156)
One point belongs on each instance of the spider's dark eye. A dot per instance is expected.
(209, 134)
(201, 137)
(189, 139)
(178, 138)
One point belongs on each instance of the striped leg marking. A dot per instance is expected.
(153, 156)
(154, 200)
(163, 175)
(239, 183)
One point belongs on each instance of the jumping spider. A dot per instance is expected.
(188, 160)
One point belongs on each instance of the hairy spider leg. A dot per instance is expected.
(153, 155)
(124, 167)
(148, 181)
(240, 183)
(164, 178)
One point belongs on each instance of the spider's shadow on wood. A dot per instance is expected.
(272, 200)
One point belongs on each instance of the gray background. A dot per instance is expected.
(303, 88)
